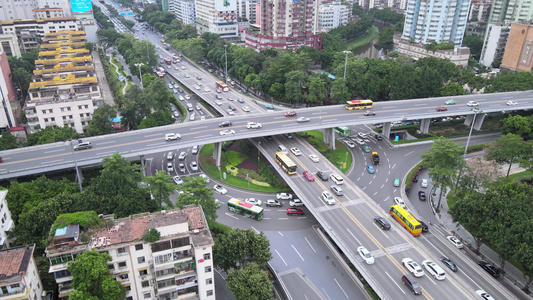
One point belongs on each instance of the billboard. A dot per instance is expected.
(81, 6)
(225, 5)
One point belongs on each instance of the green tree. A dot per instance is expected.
(239, 247)
(317, 90)
(91, 278)
(339, 91)
(196, 192)
(443, 161)
(452, 89)
(276, 90)
(524, 256)
(161, 187)
(518, 125)
(102, 120)
(475, 43)
(250, 283)
(49, 135)
(8, 141)
(294, 80)
(22, 78)
(508, 149)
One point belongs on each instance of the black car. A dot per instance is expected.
(322, 175)
(385, 225)
(490, 268)
(421, 196)
(288, 135)
(379, 137)
(424, 226)
(448, 263)
(225, 124)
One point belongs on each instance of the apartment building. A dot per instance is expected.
(436, 21)
(19, 275)
(177, 266)
(517, 55)
(184, 10)
(494, 44)
(286, 25)
(10, 109)
(64, 90)
(459, 55)
(217, 17)
(6, 223)
(246, 9)
(333, 15)
(44, 13)
(17, 9)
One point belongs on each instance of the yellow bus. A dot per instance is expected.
(358, 104)
(406, 220)
(285, 163)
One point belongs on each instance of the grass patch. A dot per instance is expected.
(526, 175)
(372, 33)
(338, 157)
(234, 157)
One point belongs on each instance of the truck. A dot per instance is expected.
(375, 158)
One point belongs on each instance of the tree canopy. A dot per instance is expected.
(250, 283)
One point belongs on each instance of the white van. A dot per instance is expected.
(337, 179)
(283, 149)
(190, 107)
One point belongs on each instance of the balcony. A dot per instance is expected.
(51, 123)
(85, 119)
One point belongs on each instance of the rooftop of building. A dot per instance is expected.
(14, 263)
(48, 9)
(31, 21)
(131, 229)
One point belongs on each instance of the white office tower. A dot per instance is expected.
(184, 11)
(218, 16)
(436, 20)
(17, 9)
(246, 9)
(332, 15)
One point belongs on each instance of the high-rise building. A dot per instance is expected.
(10, 109)
(494, 44)
(184, 11)
(519, 49)
(247, 9)
(6, 223)
(177, 266)
(19, 273)
(509, 11)
(333, 15)
(436, 21)
(17, 9)
(287, 25)
(64, 90)
(217, 16)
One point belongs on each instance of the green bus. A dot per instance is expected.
(246, 209)
(344, 131)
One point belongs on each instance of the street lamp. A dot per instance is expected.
(258, 151)
(345, 61)
(226, 57)
(140, 76)
(78, 175)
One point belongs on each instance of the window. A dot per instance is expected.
(141, 259)
(207, 256)
(209, 281)
(143, 272)
(207, 269)
(145, 284)
(62, 109)
(50, 110)
(139, 247)
(111, 267)
(122, 264)
(43, 111)
(147, 295)
(122, 250)
(86, 106)
(46, 120)
(79, 106)
(210, 293)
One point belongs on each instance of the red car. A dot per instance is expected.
(294, 211)
(441, 108)
(309, 176)
(291, 113)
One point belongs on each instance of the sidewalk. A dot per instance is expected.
(513, 279)
(107, 96)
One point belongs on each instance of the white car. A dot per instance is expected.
(170, 167)
(197, 87)
(349, 143)
(245, 109)
(194, 165)
(177, 180)
(296, 151)
(472, 103)
(206, 89)
(424, 183)
(187, 97)
(399, 201)
(220, 189)
(230, 112)
(183, 67)
(359, 141)
(204, 177)
(253, 125)
(512, 103)
(484, 295)
(195, 149)
(362, 135)
(227, 132)
(172, 136)
(181, 98)
(302, 119)
(455, 241)
(192, 117)
(296, 202)
(328, 198)
(314, 158)
(337, 179)
(253, 201)
(365, 255)
(284, 196)
(434, 269)
(219, 102)
(413, 267)
(181, 167)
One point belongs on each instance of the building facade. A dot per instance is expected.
(64, 5)
(286, 25)
(510, 11)
(64, 90)
(17, 9)
(436, 21)
(217, 16)
(459, 55)
(480, 10)
(6, 223)
(10, 109)
(184, 10)
(20, 277)
(177, 266)
(332, 15)
(44, 13)
(517, 56)
(246, 9)
(494, 44)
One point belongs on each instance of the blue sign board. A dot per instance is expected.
(81, 6)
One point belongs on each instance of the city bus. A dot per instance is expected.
(344, 131)
(159, 74)
(176, 59)
(406, 220)
(246, 209)
(221, 85)
(358, 104)
(168, 61)
(285, 163)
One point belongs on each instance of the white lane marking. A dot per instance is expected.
(387, 198)
(382, 186)
(409, 153)
(231, 215)
(58, 150)
(375, 193)
(310, 244)
(353, 235)
(152, 135)
(394, 281)
(53, 161)
(286, 265)
(279, 232)
(297, 252)
(201, 136)
(198, 127)
(393, 166)
(256, 231)
(341, 288)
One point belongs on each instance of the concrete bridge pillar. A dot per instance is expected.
(329, 137)
(424, 126)
(385, 131)
(217, 152)
(479, 120)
